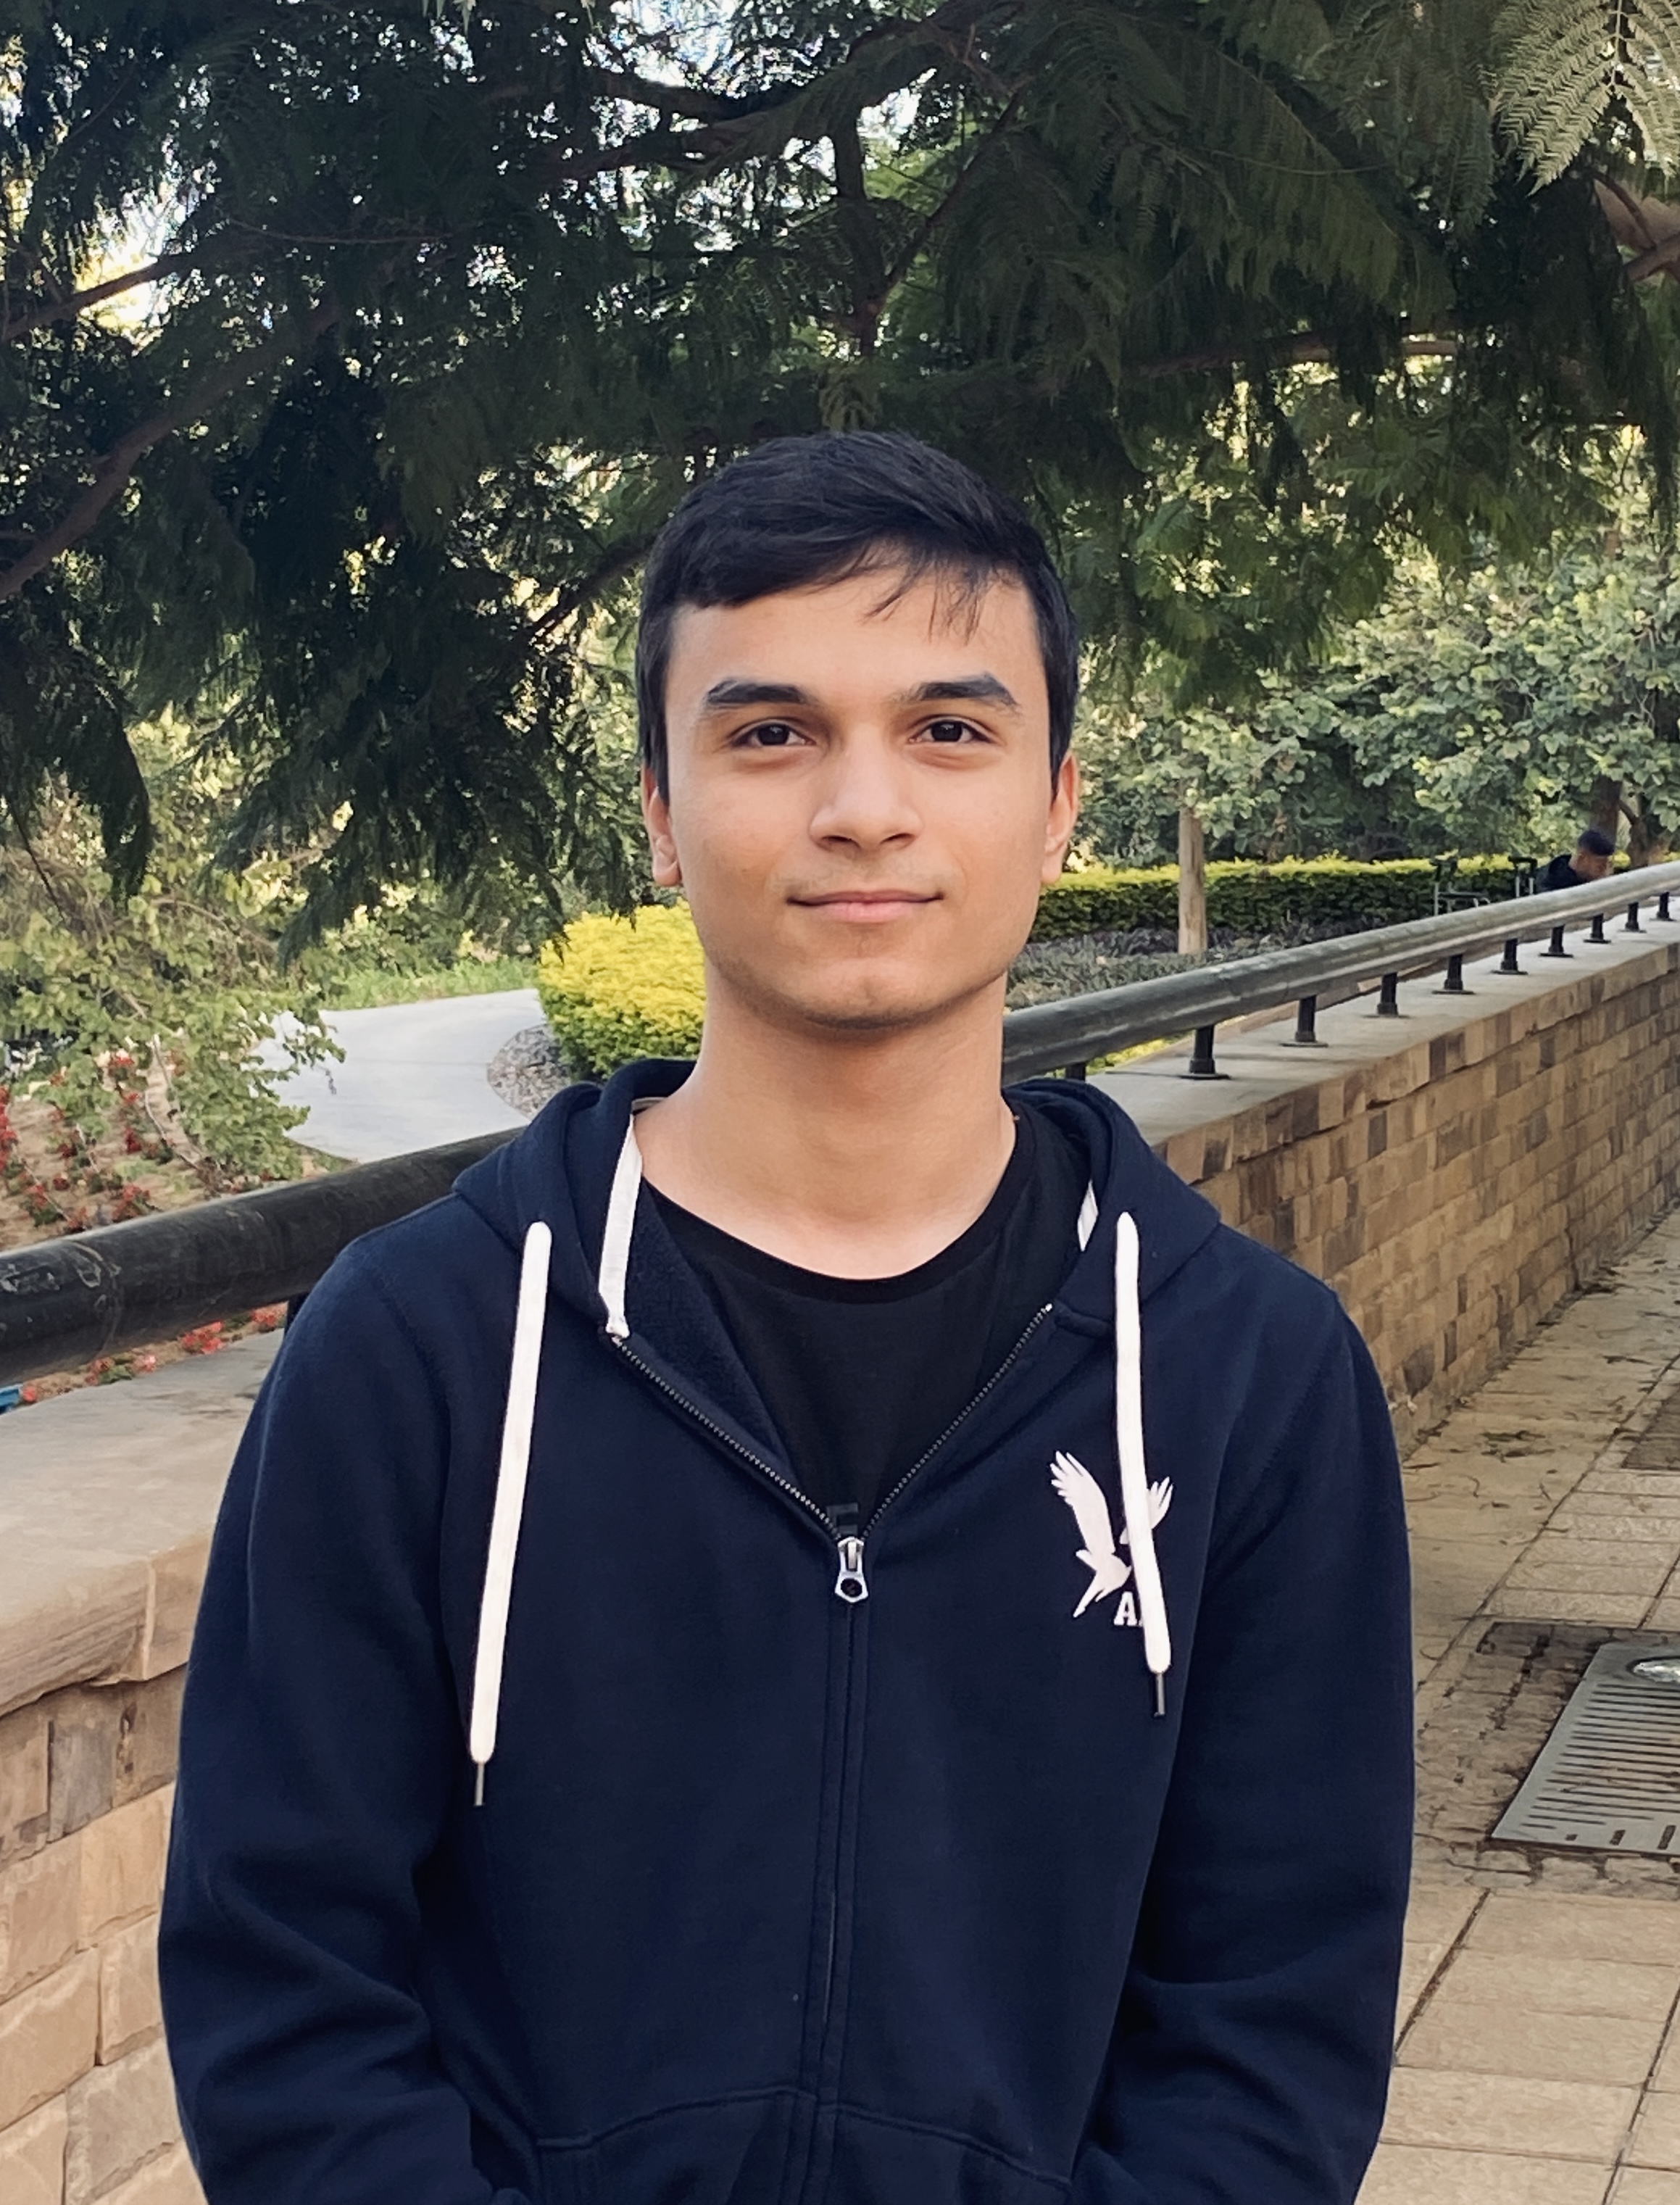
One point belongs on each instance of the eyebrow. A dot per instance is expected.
(731, 696)
(965, 688)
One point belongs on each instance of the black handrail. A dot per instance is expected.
(1050, 1036)
(62, 1302)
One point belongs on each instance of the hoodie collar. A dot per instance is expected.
(560, 1169)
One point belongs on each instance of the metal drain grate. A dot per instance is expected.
(1608, 1777)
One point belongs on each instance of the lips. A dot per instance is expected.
(867, 906)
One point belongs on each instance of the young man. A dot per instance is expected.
(816, 1631)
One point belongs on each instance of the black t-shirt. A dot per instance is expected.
(864, 1375)
(1559, 874)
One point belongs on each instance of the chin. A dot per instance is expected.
(883, 1007)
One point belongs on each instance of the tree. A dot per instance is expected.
(439, 314)
(1495, 710)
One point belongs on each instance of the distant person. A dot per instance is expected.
(1591, 858)
(819, 1631)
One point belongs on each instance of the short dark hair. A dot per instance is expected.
(1595, 839)
(800, 511)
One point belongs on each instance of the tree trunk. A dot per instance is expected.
(1604, 806)
(1192, 883)
(1648, 841)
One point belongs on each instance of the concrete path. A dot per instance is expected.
(1539, 2057)
(412, 1076)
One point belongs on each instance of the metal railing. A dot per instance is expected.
(64, 1302)
(1065, 1036)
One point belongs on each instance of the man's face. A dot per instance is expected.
(1591, 864)
(859, 803)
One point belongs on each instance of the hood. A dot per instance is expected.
(563, 1197)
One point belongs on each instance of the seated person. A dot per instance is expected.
(1590, 860)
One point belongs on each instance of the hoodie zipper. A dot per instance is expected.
(851, 1585)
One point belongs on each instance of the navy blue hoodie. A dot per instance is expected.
(872, 1877)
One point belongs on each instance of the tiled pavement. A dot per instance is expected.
(1539, 2057)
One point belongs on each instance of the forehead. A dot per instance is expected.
(865, 631)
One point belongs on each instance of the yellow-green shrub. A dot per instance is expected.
(615, 988)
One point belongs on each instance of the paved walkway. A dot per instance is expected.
(1540, 2042)
(412, 1076)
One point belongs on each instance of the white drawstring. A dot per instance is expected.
(1087, 1219)
(615, 1240)
(510, 1482)
(1137, 1500)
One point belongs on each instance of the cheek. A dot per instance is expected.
(734, 835)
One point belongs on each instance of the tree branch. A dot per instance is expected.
(669, 98)
(722, 135)
(119, 463)
(72, 304)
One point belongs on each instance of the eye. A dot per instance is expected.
(769, 735)
(952, 731)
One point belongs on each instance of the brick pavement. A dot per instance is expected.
(1539, 2055)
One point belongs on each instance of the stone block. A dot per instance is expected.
(87, 1626)
(23, 1781)
(148, 1735)
(40, 1915)
(169, 2179)
(82, 1749)
(48, 2037)
(177, 1580)
(32, 2157)
(120, 2117)
(130, 2013)
(122, 1856)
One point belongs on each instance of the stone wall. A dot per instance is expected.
(87, 2109)
(1456, 1176)
(1455, 1189)
(105, 1502)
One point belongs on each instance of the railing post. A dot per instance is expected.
(1597, 932)
(1508, 963)
(1633, 925)
(1556, 948)
(1306, 1024)
(1389, 1002)
(1202, 1065)
(1074, 1071)
(1454, 982)
(1662, 905)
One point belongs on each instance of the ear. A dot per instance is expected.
(661, 841)
(1062, 818)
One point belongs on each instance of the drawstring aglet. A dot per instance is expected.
(478, 1784)
(1161, 1699)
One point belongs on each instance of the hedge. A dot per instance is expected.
(1249, 898)
(615, 988)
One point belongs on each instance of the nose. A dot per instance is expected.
(864, 795)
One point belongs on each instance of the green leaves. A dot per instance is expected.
(1564, 68)
(451, 306)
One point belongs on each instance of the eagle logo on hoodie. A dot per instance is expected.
(1097, 1548)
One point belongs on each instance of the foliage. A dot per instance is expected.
(1568, 69)
(354, 988)
(164, 1013)
(1256, 899)
(439, 310)
(1483, 709)
(617, 989)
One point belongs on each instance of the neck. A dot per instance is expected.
(859, 1156)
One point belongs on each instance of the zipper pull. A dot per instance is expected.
(851, 1585)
